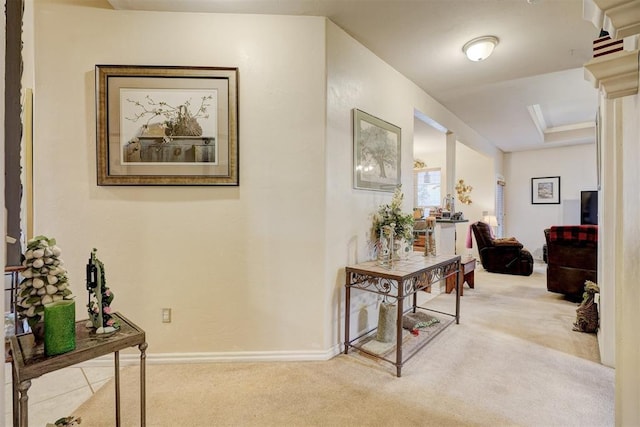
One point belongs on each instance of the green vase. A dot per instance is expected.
(59, 327)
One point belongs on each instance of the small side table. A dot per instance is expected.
(29, 362)
(467, 267)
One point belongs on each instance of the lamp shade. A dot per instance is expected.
(480, 48)
(491, 220)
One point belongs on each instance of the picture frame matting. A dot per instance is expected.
(376, 153)
(545, 190)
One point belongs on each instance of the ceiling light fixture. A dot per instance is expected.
(480, 48)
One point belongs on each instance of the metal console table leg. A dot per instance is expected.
(143, 387)
(116, 374)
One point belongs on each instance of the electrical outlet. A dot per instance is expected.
(166, 315)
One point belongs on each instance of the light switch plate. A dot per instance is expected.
(166, 315)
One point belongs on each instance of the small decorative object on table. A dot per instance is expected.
(45, 281)
(386, 245)
(59, 327)
(387, 315)
(430, 239)
(420, 320)
(66, 422)
(390, 222)
(449, 204)
(100, 297)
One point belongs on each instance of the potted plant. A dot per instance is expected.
(392, 228)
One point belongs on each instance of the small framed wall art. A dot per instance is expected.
(376, 153)
(169, 125)
(545, 190)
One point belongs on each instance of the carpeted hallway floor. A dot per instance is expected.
(512, 361)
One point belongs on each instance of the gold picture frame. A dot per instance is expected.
(167, 125)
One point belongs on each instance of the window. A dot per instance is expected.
(426, 184)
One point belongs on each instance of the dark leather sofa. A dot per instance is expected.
(506, 256)
(572, 258)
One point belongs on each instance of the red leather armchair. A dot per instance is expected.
(506, 256)
(572, 258)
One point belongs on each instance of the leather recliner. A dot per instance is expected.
(506, 256)
(572, 258)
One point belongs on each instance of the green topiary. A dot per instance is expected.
(45, 279)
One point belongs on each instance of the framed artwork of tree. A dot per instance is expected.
(376, 153)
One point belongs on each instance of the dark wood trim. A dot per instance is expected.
(13, 126)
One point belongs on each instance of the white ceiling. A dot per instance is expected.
(529, 94)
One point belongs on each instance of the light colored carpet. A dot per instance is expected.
(512, 361)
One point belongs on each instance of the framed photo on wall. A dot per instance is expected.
(169, 125)
(376, 153)
(545, 190)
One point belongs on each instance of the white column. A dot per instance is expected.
(608, 237)
(451, 163)
(627, 291)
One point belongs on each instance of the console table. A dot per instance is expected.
(29, 362)
(403, 280)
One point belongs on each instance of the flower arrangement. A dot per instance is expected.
(45, 279)
(390, 217)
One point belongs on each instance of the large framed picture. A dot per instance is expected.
(167, 125)
(545, 190)
(376, 153)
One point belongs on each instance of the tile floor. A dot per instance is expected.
(57, 394)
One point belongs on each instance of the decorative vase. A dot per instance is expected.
(387, 316)
(59, 327)
(184, 124)
(402, 249)
(386, 247)
(430, 244)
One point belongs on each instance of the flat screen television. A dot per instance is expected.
(589, 207)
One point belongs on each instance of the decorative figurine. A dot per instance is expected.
(45, 279)
(464, 192)
(430, 240)
(100, 297)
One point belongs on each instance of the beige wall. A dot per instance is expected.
(358, 79)
(242, 268)
(476, 170)
(245, 268)
(250, 272)
(576, 167)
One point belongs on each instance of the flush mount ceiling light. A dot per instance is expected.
(480, 48)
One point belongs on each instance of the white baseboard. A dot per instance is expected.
(133, 359)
